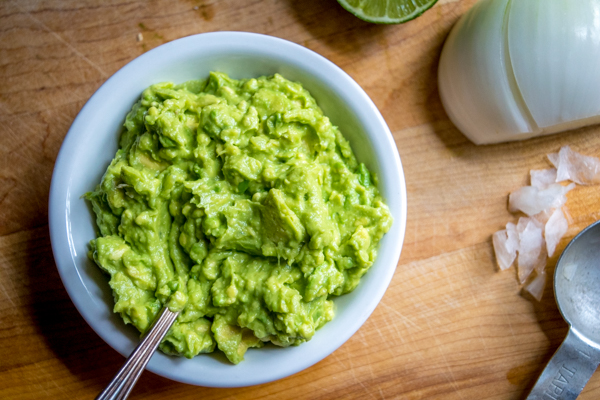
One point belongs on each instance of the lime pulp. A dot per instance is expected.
(387, 11)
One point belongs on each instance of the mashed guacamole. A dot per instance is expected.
(238, 203)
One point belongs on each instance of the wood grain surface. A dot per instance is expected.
(449, 327)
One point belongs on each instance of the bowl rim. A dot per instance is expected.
(60, 197)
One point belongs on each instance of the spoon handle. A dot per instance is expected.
(123, 382)
(568, 370)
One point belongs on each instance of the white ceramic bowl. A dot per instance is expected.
(91, 143)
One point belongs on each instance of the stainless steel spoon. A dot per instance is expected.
(577, 292)
(124, 381)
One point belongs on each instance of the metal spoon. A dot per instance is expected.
(124, 381)
(577, 292)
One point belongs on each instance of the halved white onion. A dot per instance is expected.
(511, 70)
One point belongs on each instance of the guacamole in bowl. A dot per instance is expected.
(92, 144)
(238, 203)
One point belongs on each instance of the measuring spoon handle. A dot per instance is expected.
(567, 372)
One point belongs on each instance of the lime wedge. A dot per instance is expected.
(387, 11)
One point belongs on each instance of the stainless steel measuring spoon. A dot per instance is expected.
(577, 292)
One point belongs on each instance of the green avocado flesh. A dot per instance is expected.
(238, 203)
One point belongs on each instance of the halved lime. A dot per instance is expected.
(387, 11)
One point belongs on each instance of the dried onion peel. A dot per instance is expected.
(535, 237)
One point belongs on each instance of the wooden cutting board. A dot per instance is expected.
(449, 327)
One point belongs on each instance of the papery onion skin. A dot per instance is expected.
(532, 249)
(506, 244)
(532, 200)
(515, 69)
(537, 285)
(554, 230)
(542, 178)
(575, 167)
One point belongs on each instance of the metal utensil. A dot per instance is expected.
(577, 292)
(124, 381)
